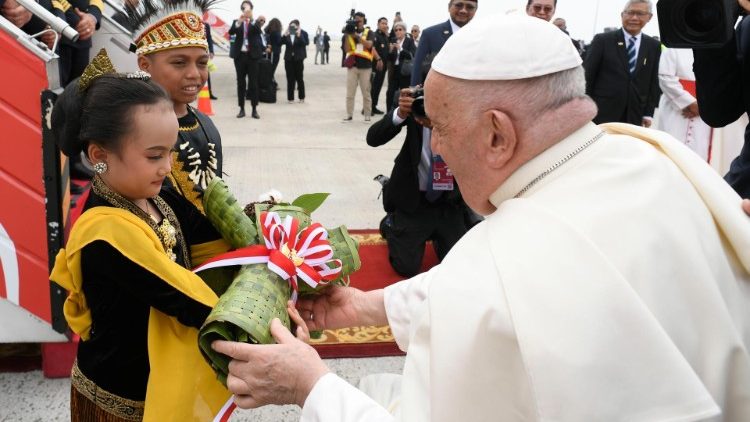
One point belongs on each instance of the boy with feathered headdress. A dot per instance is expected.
(170, 41)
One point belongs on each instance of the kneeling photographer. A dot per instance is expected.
(721, 65)
(421, 198)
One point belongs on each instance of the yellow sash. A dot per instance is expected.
(181, 385)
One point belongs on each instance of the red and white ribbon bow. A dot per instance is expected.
(289, 252)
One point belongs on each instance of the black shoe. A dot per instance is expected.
(213, 97)
(348, 118)
(255, 114)
(376, 111)
(241, 113)
(386, 224)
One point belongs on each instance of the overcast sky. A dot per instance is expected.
(584, 17)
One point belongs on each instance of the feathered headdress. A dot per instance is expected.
(167, 24)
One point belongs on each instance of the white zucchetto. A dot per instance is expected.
(506, 47)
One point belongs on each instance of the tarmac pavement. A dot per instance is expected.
(294, 148)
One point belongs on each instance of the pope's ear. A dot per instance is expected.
(501, 140)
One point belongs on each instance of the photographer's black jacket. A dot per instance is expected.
(255, 44)
(296, 50)
(723, 86)
(402, 191)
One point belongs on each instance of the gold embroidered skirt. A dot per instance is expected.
(91, 403)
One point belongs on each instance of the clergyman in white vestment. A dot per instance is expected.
(609, 281)
(677, 83)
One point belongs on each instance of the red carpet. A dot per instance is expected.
(376, 272)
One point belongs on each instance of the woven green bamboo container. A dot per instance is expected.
(218, 279)
(244, 313)
(227, 216)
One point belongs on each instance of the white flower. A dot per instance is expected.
(272, 195)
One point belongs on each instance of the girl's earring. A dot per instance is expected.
(100, 167)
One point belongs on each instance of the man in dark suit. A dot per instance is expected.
(622, 69)
(326, 45)
(723, 84)
(295, 41)
(378, 66)
(247, 50)
(433, 38)
(416, 212)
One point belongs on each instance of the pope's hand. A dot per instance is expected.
(282, 373)
(336, 307)
(746, 206)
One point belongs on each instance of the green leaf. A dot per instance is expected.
(311, 201)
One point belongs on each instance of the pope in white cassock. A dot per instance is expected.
(678, 107)
(609, 281)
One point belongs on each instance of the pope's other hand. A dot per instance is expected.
(281, 373)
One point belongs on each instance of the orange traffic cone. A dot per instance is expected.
(204, 101)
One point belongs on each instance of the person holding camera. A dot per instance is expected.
(723, 91)
(358, 44)
(419, 206)
(401, 50)
(295, 41)
(247, 50)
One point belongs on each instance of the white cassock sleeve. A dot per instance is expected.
(669, 81)
(334, 400)
(402, 304)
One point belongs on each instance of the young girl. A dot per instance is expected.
(133, 301)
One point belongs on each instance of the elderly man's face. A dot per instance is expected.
(542, 9)
(462, 11)
(454, 137)
(635, 17)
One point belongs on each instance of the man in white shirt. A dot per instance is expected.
(609, 281)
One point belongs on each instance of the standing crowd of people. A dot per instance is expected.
(561, 293)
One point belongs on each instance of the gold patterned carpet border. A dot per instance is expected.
(355, 335)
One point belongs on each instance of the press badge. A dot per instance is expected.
(359, 48)
(442, 176)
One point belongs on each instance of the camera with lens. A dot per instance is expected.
(292, 28)
(417, 107)
(697, 23)
(351, 24)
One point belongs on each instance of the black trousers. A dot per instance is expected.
(294, 75)
(275, 61)
(408, 233)
(247, 79)
(377, 84)
(326, 53)
(72, 61)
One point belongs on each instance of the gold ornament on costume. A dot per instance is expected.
(100, 65)
(168, 231)
(168, 236)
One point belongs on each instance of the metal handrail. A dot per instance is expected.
(57, 24)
